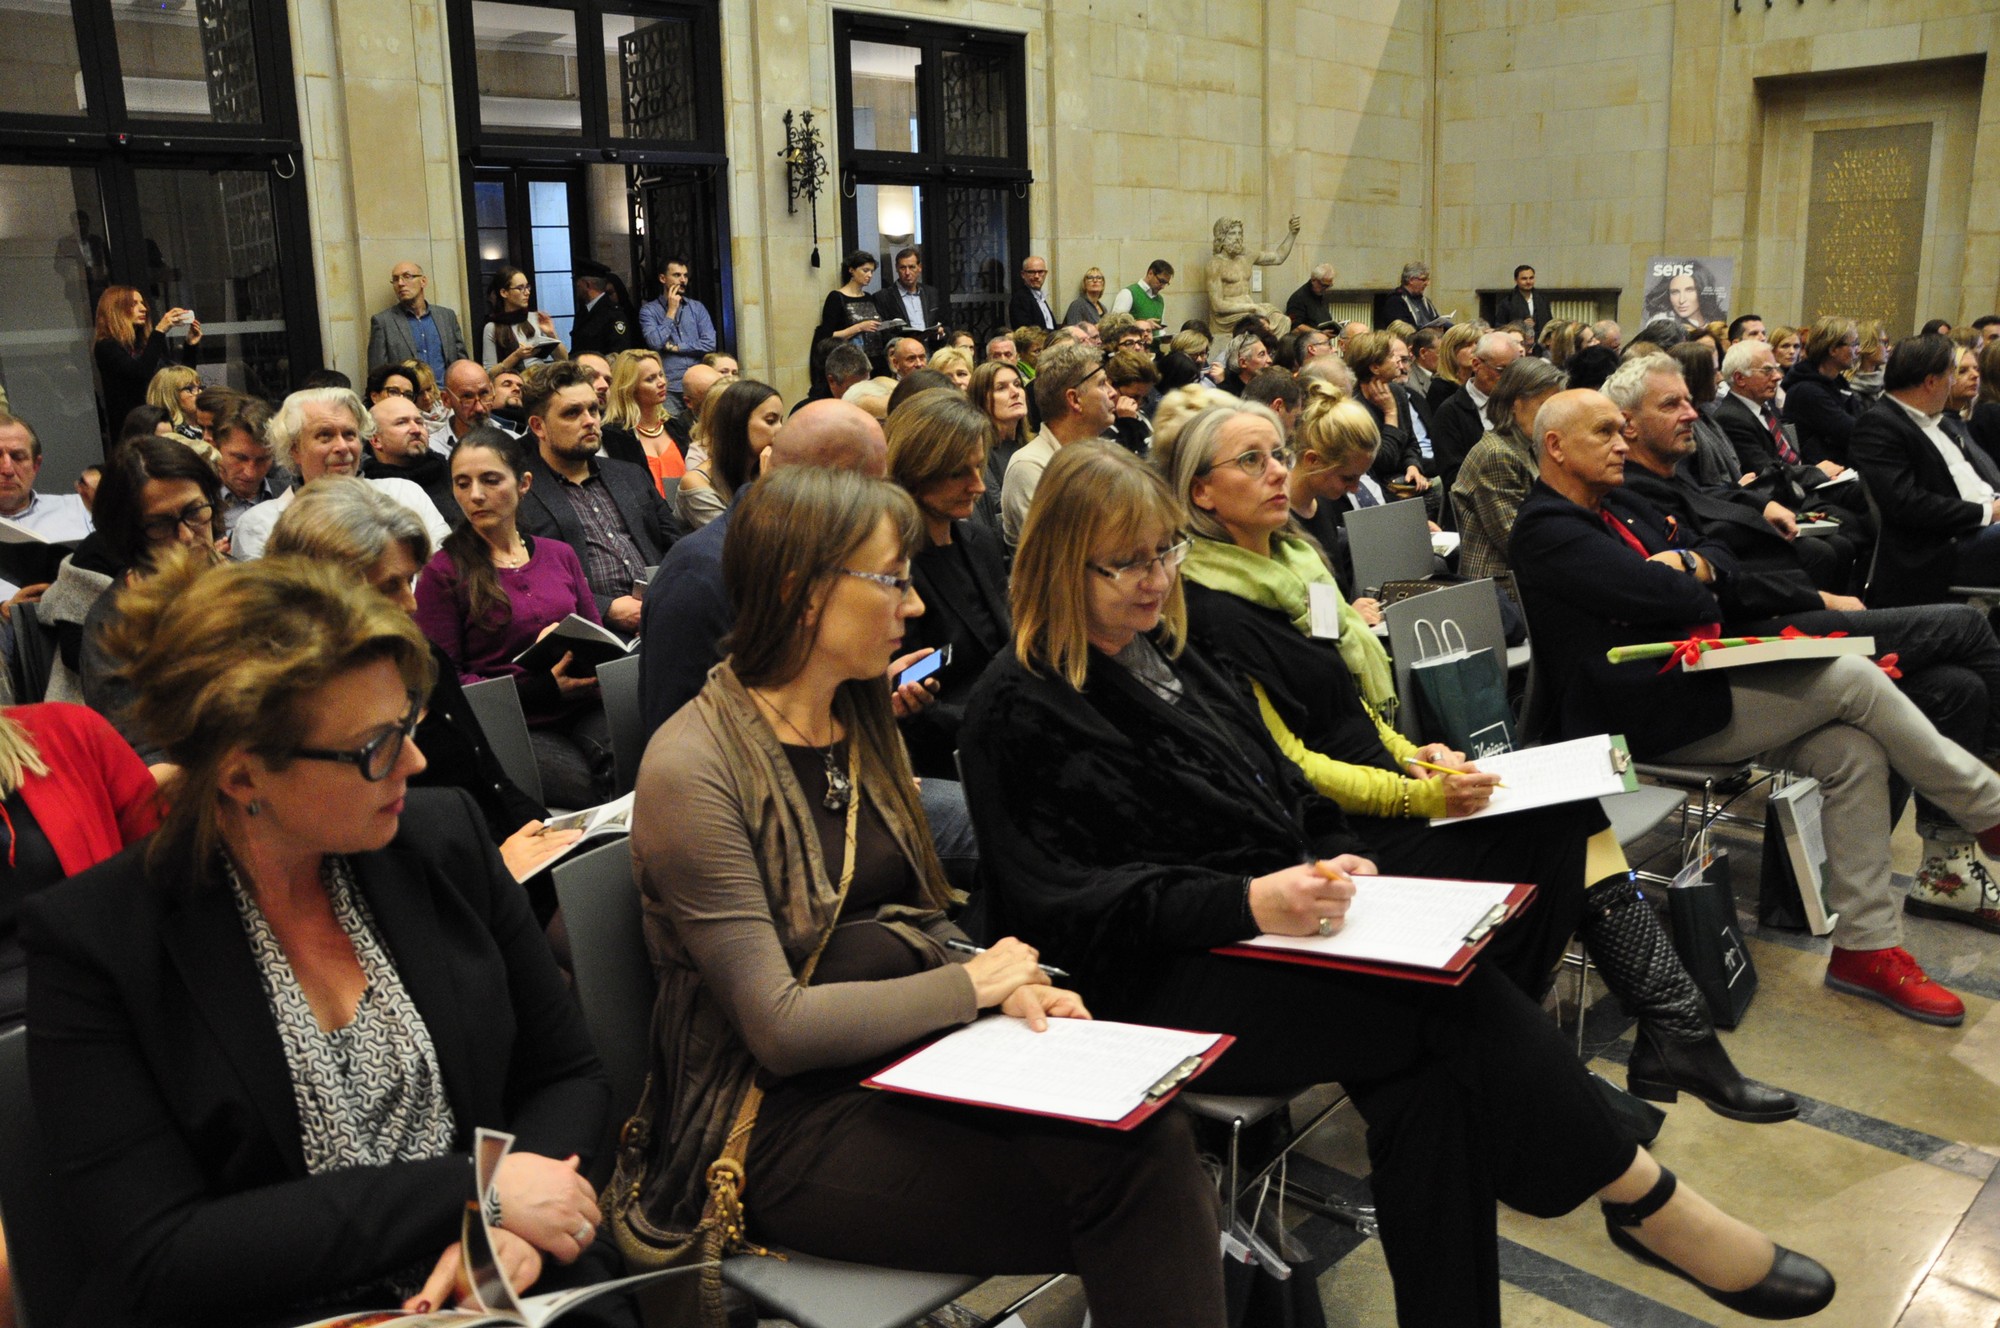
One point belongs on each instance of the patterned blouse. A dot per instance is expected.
(368, 1093)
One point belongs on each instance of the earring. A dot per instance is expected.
(253, 807)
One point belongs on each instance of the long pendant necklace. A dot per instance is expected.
(838, 787)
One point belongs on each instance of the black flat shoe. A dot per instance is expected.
(1795, 1287)
(1660, 1070)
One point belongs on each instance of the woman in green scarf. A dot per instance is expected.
(1262, 602)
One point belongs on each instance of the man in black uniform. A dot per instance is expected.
(605, 323)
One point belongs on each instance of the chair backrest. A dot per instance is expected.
(618, 683)
(1389, 542)
(614, 975)
(34, 655)
(44, 1255)
(497, 703)
(1471, 605)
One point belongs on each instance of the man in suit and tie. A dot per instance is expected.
(413, 328)
(1749, 415)
(1461, 420)
(1522, 305)
(1029, 305)
(1938, 512)
(1408, 301)
(908, 298)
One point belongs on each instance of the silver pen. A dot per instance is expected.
(967, 947)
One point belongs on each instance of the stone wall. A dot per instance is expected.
(1583, 136)
(381, 161)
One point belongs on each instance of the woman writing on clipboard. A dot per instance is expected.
(1134, 814)
(794, 909)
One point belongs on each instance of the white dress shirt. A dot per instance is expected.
(1970, 486)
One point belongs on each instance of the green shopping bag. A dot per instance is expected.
(1461, 693)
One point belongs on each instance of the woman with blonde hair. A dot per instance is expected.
(1819, 401)
(1336, 439)
(174, 389)
(1133, 813)
(953, 363)
(1455, 350)
(1872, 356)
(635, 417)
(128, 353)
(429, 400)
(797, 913)
(302, 900)
(1088, 306)
(937, 454)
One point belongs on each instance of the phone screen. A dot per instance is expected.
(923, 668)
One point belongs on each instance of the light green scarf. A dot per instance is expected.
(1279, 582)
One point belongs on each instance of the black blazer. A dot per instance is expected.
(1455, 427)
(1022, 311)
(605, 328)
(1513, 307)
(1416, 310)
(1822, 411)
(1586, 590)
(932, 734)
(546, 510)
(1770, 579)
(1923, 518)
(160, 1078)
(889, 300)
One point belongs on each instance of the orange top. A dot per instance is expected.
(666, 465)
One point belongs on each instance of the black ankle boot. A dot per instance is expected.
(1795, 1287)
(1660, 1068)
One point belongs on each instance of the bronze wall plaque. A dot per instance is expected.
(1865, 223)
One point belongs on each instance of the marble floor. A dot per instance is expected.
(1888, 1177)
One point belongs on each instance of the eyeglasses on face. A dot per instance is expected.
(1128, 575)
(376, 757)
(1253, 461)
(900, 584)
(195, 516)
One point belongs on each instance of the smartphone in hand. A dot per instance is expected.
(924, 667)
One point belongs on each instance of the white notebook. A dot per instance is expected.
(1079, 1069)
(1555, 773)
(1409, 921)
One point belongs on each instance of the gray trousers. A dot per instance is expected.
(1843, 722)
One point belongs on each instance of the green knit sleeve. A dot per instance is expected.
(1361, 790)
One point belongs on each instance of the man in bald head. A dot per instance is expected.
(469, 393)
(687, 609)
(696, 383)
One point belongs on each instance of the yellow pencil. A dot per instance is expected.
(1443, 769)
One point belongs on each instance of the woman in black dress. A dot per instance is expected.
(849, 314)
(128, 353)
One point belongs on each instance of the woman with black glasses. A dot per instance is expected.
(263, 1038)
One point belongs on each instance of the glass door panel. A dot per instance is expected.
(526, 57)
(973, 274)
(887, 217)
(211, 245)
(54, 262)
(44, 77)
(184, 61)
(885, 97)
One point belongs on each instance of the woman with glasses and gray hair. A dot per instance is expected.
(1135, 813)
(262, 1039)
(1250, 581)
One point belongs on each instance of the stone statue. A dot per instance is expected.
(1229, 278)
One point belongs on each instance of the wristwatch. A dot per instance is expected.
(1690, 563)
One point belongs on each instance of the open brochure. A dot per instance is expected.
(496, 1304)
(604, 821)
(1403, 926)
(1090, 1070)
(1554, 773)
(576, 635)
(56, 533)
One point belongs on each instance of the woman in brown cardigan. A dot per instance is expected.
(742, 831)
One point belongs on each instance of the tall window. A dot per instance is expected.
(169, 161)
(594, 130)
(933, 152)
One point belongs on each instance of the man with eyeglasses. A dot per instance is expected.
(1749, 415)
(1461, 420)
(1029, 304)
(413, 328)
(468, 393)
(400, 449)
(1076, 402)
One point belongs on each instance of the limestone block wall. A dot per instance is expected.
(381, 160)
(1586, 136)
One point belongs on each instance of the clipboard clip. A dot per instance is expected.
(1621, 760)
(1173, 1078)
(1494, 917)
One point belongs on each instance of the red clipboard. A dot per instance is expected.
(1143, 1112)
(1454, 972)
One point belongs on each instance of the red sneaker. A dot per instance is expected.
(1897, 980)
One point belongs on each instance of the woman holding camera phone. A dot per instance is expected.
(129, 353)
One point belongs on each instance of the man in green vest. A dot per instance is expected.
(1143, 299)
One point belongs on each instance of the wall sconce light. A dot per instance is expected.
(805, 168)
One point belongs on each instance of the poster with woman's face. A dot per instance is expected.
(1693, 291)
